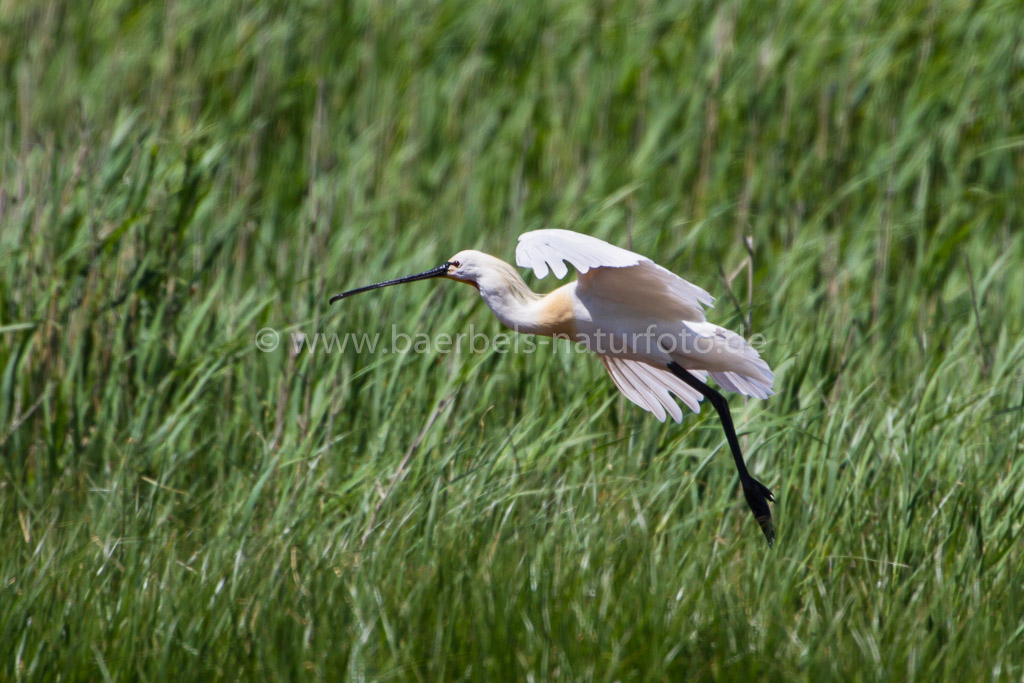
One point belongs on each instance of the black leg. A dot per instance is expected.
(756, 493)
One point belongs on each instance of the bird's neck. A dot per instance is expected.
(506, 294)
(523, 310)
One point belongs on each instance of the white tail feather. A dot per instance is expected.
(733, 363)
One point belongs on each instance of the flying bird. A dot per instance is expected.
(645, 323)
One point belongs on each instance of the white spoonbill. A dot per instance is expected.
(646, 324)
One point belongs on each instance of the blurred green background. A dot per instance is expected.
(176, 503)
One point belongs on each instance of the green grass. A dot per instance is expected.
(175, 503)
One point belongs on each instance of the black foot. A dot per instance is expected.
(758, 495)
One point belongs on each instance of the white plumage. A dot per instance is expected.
(617, 285)
(649, 387)
(542, 249)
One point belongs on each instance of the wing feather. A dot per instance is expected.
(651, 388)
(541, 249)
(612, 273)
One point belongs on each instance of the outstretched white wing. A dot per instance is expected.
(612, 273)
(542, 249)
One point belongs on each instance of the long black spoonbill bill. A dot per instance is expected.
(645, 323)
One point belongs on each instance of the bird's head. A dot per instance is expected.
(470, 266)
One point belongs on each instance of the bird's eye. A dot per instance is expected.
(456, 264)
